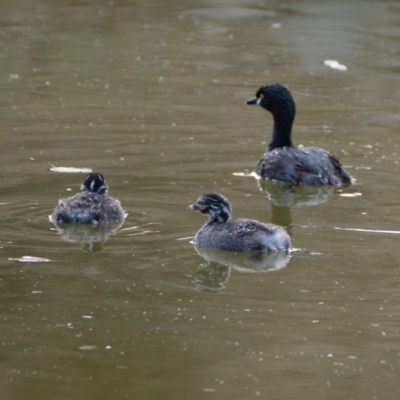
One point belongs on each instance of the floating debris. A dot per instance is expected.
(335, 65)
(186, 238)
(247, 174)
(30, 259)
(131, 228)
(72, 170)
(367, 230)
(87, 347)
(209, 390)
(143, 233)
(356, 194)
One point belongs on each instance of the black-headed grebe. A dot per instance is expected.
(237, 235)
(284, 162)
(92, 206)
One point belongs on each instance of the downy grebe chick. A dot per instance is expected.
(284, 162)
(237, 235)
(92, 206)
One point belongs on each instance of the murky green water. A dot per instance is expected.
(152, 95)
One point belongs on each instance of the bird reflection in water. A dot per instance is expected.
(220, 263)
(283, 196)
(90, 236)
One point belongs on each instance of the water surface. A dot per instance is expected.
(152, 95)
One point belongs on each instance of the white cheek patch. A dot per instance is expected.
(92, 185)
(225, 210)
(212, 213)
(259, 100)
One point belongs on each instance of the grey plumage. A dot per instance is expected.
(92, 206)
(302, 166)
(286, 163)
(237, 235)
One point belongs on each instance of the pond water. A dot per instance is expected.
(152, 95)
